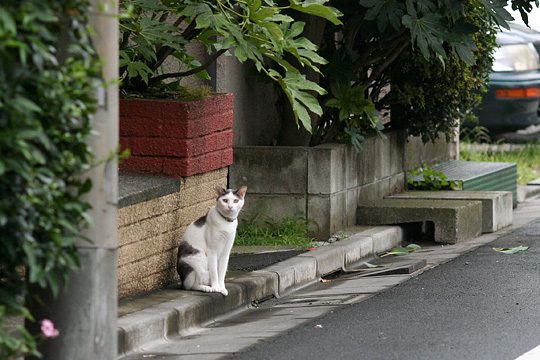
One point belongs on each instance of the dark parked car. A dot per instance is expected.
(513, 96)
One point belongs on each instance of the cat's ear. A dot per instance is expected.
(220, 191)
(241, 191)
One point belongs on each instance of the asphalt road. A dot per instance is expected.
(482, 305)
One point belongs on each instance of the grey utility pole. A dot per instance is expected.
(86, 311)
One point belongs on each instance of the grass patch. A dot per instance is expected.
(527, 159)
(288, 232)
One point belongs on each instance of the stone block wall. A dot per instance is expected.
(150, 231)
(325, 183)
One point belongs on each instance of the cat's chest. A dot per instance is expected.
(224, 234)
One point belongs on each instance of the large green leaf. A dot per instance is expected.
(317, 9)
(427, 33)
(384, 12)
(297, 88)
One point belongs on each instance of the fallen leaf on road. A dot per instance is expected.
(512, 250)
(401, 251)
(397, 251)
(413, 247)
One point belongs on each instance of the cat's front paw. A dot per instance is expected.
(224, 292)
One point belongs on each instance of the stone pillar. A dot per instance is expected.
(86, 310)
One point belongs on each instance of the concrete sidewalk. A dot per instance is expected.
(166, 313)
(158, 315)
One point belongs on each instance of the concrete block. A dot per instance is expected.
(190, 309)
(496, 205)
(384, 237)
(329, 258)
(374, 191)
(351, 202)
(224, 304)
(383, 150)
(193, 309)
(356, 247)
(454, 220)
(326, 214)
(367, 162)
(338, 211)
(258, 284)
(396, 142)
(144, 326)
(128, 306)
(319, 210)
(273, 207)
(398, 183)
(416, 152)
(351, 168)
(261, 168)
(326, 169)
(294, 273)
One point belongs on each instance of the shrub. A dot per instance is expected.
(433, 96)
(425, 61)
(48, 70)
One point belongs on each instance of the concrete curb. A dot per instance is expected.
(526, 192)
(166, 317)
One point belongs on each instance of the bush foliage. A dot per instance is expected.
(48, 70)
(434, 97)
(426, 61)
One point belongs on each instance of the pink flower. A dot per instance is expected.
(48, 329)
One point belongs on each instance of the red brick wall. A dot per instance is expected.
(177, 138)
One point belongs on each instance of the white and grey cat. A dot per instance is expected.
(203, 254)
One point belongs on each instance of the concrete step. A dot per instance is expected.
(496, 205)
(455, 220)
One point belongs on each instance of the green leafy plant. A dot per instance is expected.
(287, 232)
(48, 73)
(425, 178)
(425, 62)
(476, 134)
(261, 32)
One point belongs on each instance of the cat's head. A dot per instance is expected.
(230, 201)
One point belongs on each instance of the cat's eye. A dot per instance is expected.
(225, 201)
(235, 200)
